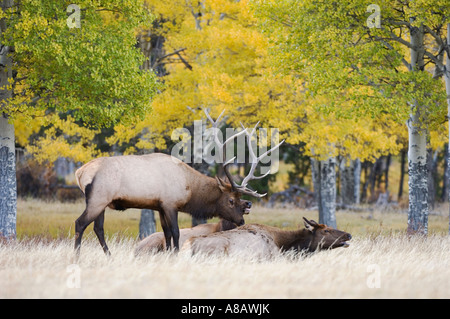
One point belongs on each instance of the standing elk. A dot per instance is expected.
(266, 241)
(156, 243)
(163, 183)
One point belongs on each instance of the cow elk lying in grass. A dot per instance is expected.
(156, 243)
(262, 241)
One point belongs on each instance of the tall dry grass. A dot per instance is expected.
(381, 262)
(379, 267)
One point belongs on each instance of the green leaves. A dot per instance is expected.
(92, 72)
(331, 46)
(353, 71)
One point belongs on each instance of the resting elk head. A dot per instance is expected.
(323, 237)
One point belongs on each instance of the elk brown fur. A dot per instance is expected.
(266, 241)
(154, 181)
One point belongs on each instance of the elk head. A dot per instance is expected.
(230, 205)
(322, 237)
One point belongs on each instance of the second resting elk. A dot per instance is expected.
(261, 241)
(163, 183)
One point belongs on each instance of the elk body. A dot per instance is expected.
(156, 243)
(159, 182)
(155, 181)
(262, 241)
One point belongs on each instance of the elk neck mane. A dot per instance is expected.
(224, 224)
(288, 239)
(204, 194)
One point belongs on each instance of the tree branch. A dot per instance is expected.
(170, 54)
(390, 47)
(176, 52)
(434, 59)
(396, 38)
(410, 46)
(434, 35)
(184, 61)
(278, 20)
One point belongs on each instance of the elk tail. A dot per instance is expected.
(86, 173)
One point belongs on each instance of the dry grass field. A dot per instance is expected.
(381, 262)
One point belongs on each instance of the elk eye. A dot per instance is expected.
(326, 231)
(231, 201)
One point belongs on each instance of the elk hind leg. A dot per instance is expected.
(98, 229)
(80, 225)
(89, 215)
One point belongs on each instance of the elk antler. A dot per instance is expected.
(222, 146)
(254, 160)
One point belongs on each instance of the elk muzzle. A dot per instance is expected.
(247, 206)
(342, 242)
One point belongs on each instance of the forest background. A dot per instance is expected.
(359, 93)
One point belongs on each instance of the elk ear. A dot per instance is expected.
(309, 224)
(222, 184)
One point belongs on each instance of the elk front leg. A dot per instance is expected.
(98, 229)
(176, 235)
(166, 229)
(171, 218)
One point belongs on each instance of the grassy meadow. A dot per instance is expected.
(381, 262)
(53, 220)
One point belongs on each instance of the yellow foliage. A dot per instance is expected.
(232, 70)
(25, 126)
(64, 138)
(229, 63)
(439, 137)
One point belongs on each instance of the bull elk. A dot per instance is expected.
(266, 241)
(163, 183)
(156, 243)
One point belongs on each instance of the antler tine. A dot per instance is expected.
(223, 145)
(254, 162)
(269, 151)
(253, 158)
(234, 186)
(216, 122)
(215, 126)
(258, 159)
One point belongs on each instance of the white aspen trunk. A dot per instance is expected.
(8, 193)
(418, 183)
(8, 188)
(147, 223)
(324, 180)
(357, 178)
(315, 172)
(350, 172)
(417, 149)
(328, 192)
(447, 89)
